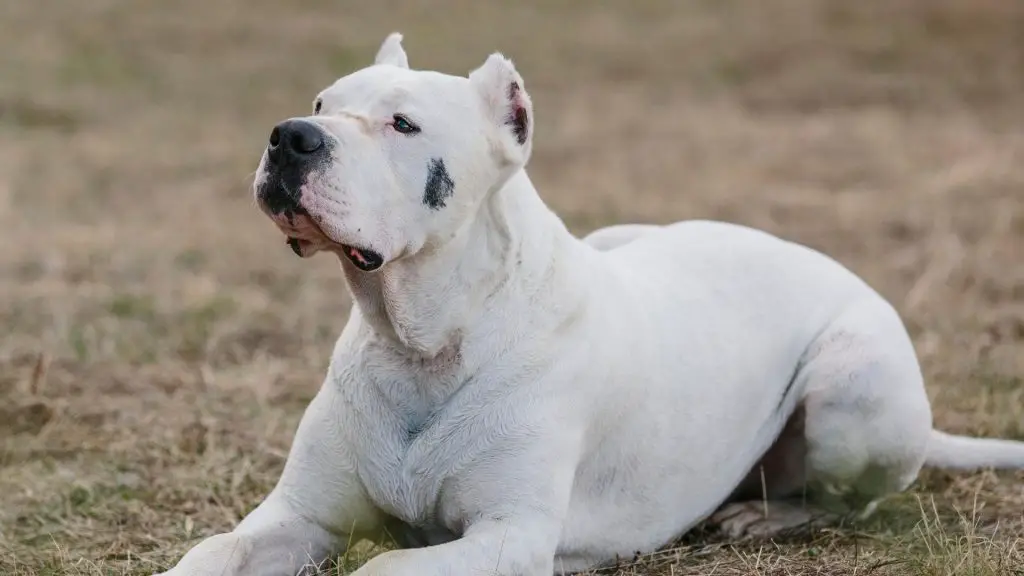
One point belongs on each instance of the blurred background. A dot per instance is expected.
(159, 341)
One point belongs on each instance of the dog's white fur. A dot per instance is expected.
(507, 399)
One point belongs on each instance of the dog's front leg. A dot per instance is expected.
(523, 546)
(317, 507)
(513, 504)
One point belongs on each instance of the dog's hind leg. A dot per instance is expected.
(860, 432)
(771, 499)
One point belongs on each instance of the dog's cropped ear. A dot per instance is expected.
(507, 104)
(391, 52)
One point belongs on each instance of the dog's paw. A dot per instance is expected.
(219, 555)
(766, 520)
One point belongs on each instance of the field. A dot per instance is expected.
(159, 341)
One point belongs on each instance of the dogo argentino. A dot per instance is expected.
(508, 399)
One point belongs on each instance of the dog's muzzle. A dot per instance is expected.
(295, 149)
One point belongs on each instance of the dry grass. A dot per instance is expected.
(160, 341)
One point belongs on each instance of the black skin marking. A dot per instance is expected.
(440, 185)
(293, 243)
(287, 172)
(280, 193)
(517, 118)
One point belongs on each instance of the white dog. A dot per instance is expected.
(508, 399)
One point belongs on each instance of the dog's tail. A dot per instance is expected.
(964, 453)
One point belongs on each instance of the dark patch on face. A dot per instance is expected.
(440, 185)
(297, 148)
(517, 119)
(280, 192)
(293, 243)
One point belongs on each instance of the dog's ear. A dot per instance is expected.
(391, 52)
(507, 104)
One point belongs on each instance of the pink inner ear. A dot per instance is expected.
(517, 118)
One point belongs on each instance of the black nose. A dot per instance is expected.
(295, 138)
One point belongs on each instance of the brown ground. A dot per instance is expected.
(160, 341)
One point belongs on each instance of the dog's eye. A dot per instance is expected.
(402, 125)
(316, 107)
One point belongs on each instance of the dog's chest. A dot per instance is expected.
(407, 481)
(402, 462)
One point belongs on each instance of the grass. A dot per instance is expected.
(160, 342)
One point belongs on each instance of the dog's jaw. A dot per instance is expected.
(305, 238)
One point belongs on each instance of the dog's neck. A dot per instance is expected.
(425, 302)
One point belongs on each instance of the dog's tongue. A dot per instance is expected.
(357, 256)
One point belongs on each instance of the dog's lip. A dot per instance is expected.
(363, 258)
(305, 237)
(299, 227)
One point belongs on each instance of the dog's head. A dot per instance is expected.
(394, 159)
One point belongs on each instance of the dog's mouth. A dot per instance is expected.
(363, 258)
(306, 238)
